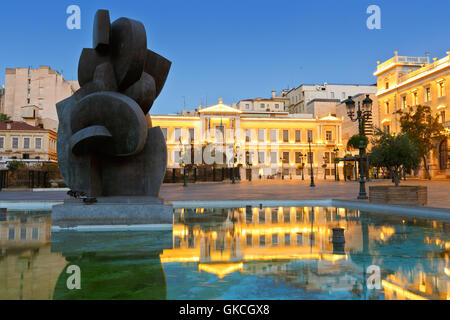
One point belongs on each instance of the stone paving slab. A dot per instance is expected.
(438, 191)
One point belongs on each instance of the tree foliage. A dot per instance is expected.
(423, 129)
(4, 117)
(395, 153)
(15, 165)
(354, 141)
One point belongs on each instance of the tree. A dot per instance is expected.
(354, 141)
(395, 153)
(15, 165)
(423, 129)
(4, 117)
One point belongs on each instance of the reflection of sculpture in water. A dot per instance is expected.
(106, 145)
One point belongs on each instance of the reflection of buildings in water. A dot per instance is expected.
(294, 245)
(291, 244)
(28, 269)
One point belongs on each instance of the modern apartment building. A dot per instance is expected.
(408, 81)
(298, 98)
(31, 95)
(273, 104)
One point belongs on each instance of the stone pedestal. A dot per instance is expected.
(112, 211)
(401, 195)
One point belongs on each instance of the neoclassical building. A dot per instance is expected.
(409, 81)
(266, 144)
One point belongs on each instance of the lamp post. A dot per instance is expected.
(336, 160)
(183, 164)
(235, 150)
(362, 115)
(310, 162)
(324, 166)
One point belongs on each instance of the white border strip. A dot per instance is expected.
(105, 228)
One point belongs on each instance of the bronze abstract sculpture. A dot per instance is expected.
(106, 144)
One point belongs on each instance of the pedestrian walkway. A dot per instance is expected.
(438, 191)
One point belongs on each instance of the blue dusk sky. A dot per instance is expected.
(233, 49)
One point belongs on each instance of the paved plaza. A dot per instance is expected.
(438, 191)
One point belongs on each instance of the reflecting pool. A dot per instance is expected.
(223, 253)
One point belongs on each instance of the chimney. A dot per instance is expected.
(274, 93)
(8, 124)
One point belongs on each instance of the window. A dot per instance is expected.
(427, 94)
(343, 95)
(332, 95)
(248, 137)
(277, 106)
(299, 238)
(273, 135)
(262, 216)
(387, 128)
(26, 143)
(274, 216)
(261, 135)
(386, 107)
(404, 102)
(2, 142)
(386, 85)
(15, 142)
(28, 101)
(164, 131)
(285, 135)
(247, 106)
(274, 239)
(286, 157)
(37, 143)
(328, 135)
(35, 234)
(287, 239)
(191, 135)
(261, 157)
(262, 105)
(441, 89)
(442, 116)
(219, 133)
(415, 100)
(249, 240)
(41, 91)
(326, 157)
(262, 240)
(177, 134)
(298, 135)
(286, 216)
(23, 234)
(11, 234)
(273, 157)
(298, 157)
(310, 136)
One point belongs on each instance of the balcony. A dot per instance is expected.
(413, 61)
(424, 69)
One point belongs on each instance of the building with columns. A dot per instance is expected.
(266, 144)
(409, 81)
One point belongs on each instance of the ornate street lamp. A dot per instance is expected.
(362, 115)
(310, 161)
(336, 160)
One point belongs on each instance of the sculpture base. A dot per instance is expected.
(112, 211)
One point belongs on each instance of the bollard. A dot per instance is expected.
(338, 241)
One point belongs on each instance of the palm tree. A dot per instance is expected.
(4, 117)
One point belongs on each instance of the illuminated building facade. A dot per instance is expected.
(409, 81)
(266, 144)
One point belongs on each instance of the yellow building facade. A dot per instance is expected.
(263, 144)
(410, 81)
(20, 141)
